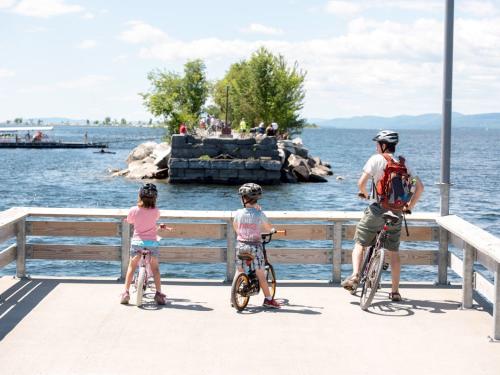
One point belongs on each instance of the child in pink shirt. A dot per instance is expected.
(144, 217)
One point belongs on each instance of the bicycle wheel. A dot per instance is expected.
(239, 297)
(372, 280)
(141, 280)
(271, 279)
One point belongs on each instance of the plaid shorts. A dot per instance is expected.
(371, 223)
(256, 249)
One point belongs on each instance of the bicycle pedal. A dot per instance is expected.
(385, 267)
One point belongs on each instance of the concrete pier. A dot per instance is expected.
(62, 326)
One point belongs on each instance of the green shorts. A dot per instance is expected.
(371, 223)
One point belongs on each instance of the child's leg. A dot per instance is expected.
(263, 282)
(155, 267)
(132, 265)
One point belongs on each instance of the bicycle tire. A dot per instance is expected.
(372, 281)
(271, 279)
(141, 280)
(366, 259)
(238, 300)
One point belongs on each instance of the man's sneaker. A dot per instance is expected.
(124, 298)
(273, 304)
(160, 298)
(351, 283)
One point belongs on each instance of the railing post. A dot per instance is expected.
(496, 304)
(443, 257)
(125, 248)
(337, 252)
(468, 271)
(231, 251)
(21, 249)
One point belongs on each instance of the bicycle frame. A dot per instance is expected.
(374, 264)
(145, 262)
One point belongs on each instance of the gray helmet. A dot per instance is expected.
(387, 136)
(148, 191)
(250, 190)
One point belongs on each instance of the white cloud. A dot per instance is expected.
(141, 32)
(88, 16)
(342, 7)
(45, 8)
(349, 8)
(5, 4)
(373, 63)
(477, 8)
(119, 58)
(36, 29)
(85, 82)
(86, 44)
(256, 28)
(6, 73)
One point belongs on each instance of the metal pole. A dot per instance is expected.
(227, 103)
(447, 94)
(444, 184)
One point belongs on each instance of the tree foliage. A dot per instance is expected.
(178, 98)
(263, 89)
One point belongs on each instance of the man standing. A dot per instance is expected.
(372, 222)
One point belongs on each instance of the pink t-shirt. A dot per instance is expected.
(144, 221)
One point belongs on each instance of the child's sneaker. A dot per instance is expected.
(273, 304)
(125, 297)
(160, 298)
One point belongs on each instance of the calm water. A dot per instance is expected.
(80, 178)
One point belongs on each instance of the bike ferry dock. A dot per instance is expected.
(77, 326)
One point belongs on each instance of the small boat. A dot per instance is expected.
(22, 137)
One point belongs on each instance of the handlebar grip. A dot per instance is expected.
(281, 231)
(362, 195)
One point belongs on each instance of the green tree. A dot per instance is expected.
(264, 88)
(176, 98)
(123, 121)
(107, 121)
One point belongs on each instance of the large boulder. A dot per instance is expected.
(142, 151)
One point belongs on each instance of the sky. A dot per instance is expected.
(89, 59)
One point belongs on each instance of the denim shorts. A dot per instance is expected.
(256, 249)
(138, 246)
(372, 222)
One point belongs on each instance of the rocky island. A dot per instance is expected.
(193, 159)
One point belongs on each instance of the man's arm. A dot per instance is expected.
(362, 183)
(419, 189)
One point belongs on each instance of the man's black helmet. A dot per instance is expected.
(148, 191)
(387, 136)
(250, 191)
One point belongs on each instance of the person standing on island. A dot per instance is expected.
(183, 129)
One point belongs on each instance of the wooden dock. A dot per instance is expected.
(44, 144)
(77, 326)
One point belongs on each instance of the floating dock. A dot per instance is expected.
(51, 145)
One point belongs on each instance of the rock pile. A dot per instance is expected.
(226, 161)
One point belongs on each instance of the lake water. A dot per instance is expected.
(81, 178)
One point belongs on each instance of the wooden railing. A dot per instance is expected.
(331, 227)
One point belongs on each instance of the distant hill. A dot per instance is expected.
(426, 121)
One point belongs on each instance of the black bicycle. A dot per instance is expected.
(373, 263)
(246, 284)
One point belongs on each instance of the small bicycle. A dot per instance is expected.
(143, 278)
(247, 284)
(373, 264)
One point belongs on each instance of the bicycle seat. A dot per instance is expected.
(390, 217)
(245, 256)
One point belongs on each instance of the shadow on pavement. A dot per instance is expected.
(20, 299)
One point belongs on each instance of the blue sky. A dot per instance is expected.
(89, 59)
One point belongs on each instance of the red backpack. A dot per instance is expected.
(395, 188)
